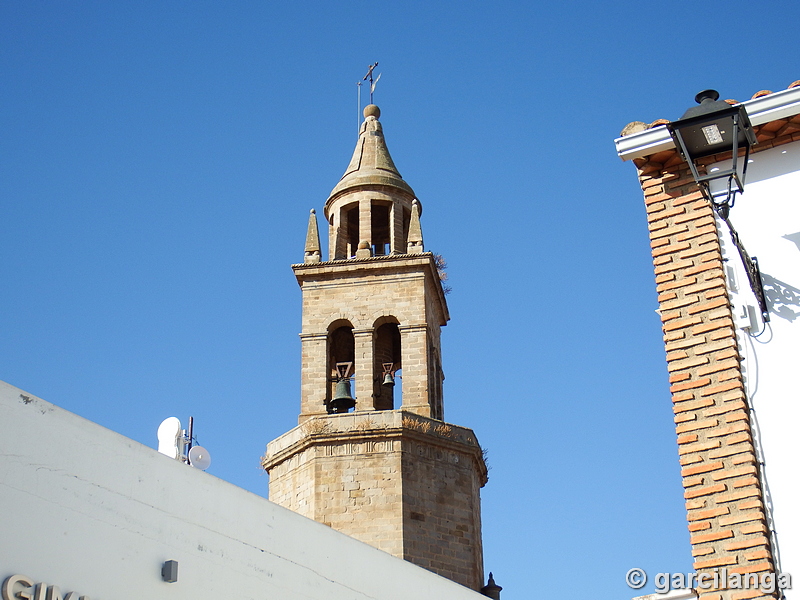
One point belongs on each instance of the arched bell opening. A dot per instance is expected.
(341, 367)
(344, 231)
(380, 229)
(388, 363)
(351, 229)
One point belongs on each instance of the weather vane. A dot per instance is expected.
(372, 84)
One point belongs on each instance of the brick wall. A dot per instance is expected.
(723, 492)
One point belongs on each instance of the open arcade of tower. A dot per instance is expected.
(372, 457)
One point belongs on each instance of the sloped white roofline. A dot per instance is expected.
(764, 109)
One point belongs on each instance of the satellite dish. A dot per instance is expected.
(170, 440)
(199, 458)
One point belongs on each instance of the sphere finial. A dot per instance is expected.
(370, 110)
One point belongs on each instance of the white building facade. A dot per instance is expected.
(767, 219)
(87, 513)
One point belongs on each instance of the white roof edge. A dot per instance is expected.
(680, 594)
(764, 109)
(644, 143)
(775, 106)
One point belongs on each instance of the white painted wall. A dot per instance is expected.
(93, 512)
(767, 217)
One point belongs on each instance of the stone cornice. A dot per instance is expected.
(338, 271)
(388, 257)
(374, 426)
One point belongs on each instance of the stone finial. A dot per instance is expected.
(313, 254)
(491, 589)
(364, 249)
(371, 110)
(415, 245)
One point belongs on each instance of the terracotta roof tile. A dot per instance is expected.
(635, 126)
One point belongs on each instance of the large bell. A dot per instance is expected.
(388, 379)
(342, 401)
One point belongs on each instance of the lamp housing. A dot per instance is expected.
(714, 127)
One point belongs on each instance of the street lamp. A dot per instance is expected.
(715, 127)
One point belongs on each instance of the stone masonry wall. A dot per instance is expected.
(442, 516)
(392, 479)
(291, 484)
(360, 293)
(358, 488)
(723, 491)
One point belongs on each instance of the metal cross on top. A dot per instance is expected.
(372, 83)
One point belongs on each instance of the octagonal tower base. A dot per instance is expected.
(396, 480)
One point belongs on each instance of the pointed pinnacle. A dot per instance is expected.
(415, 244)
(312, 240)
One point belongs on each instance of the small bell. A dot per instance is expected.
(388, 373)
(342, 400)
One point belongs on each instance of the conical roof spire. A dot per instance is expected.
(371, 163)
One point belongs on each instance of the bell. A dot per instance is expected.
(388, 379)
(342, 401)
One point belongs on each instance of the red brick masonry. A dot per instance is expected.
(723, 491)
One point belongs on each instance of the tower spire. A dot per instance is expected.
(371, 163)
(369, 210)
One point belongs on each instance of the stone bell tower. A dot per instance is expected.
(377, 461)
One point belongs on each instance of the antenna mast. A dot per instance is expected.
(180, 444)
(189, 436)
(358, 110)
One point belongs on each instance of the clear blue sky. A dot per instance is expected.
(158, 161)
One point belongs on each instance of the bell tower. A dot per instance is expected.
(372, 456)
